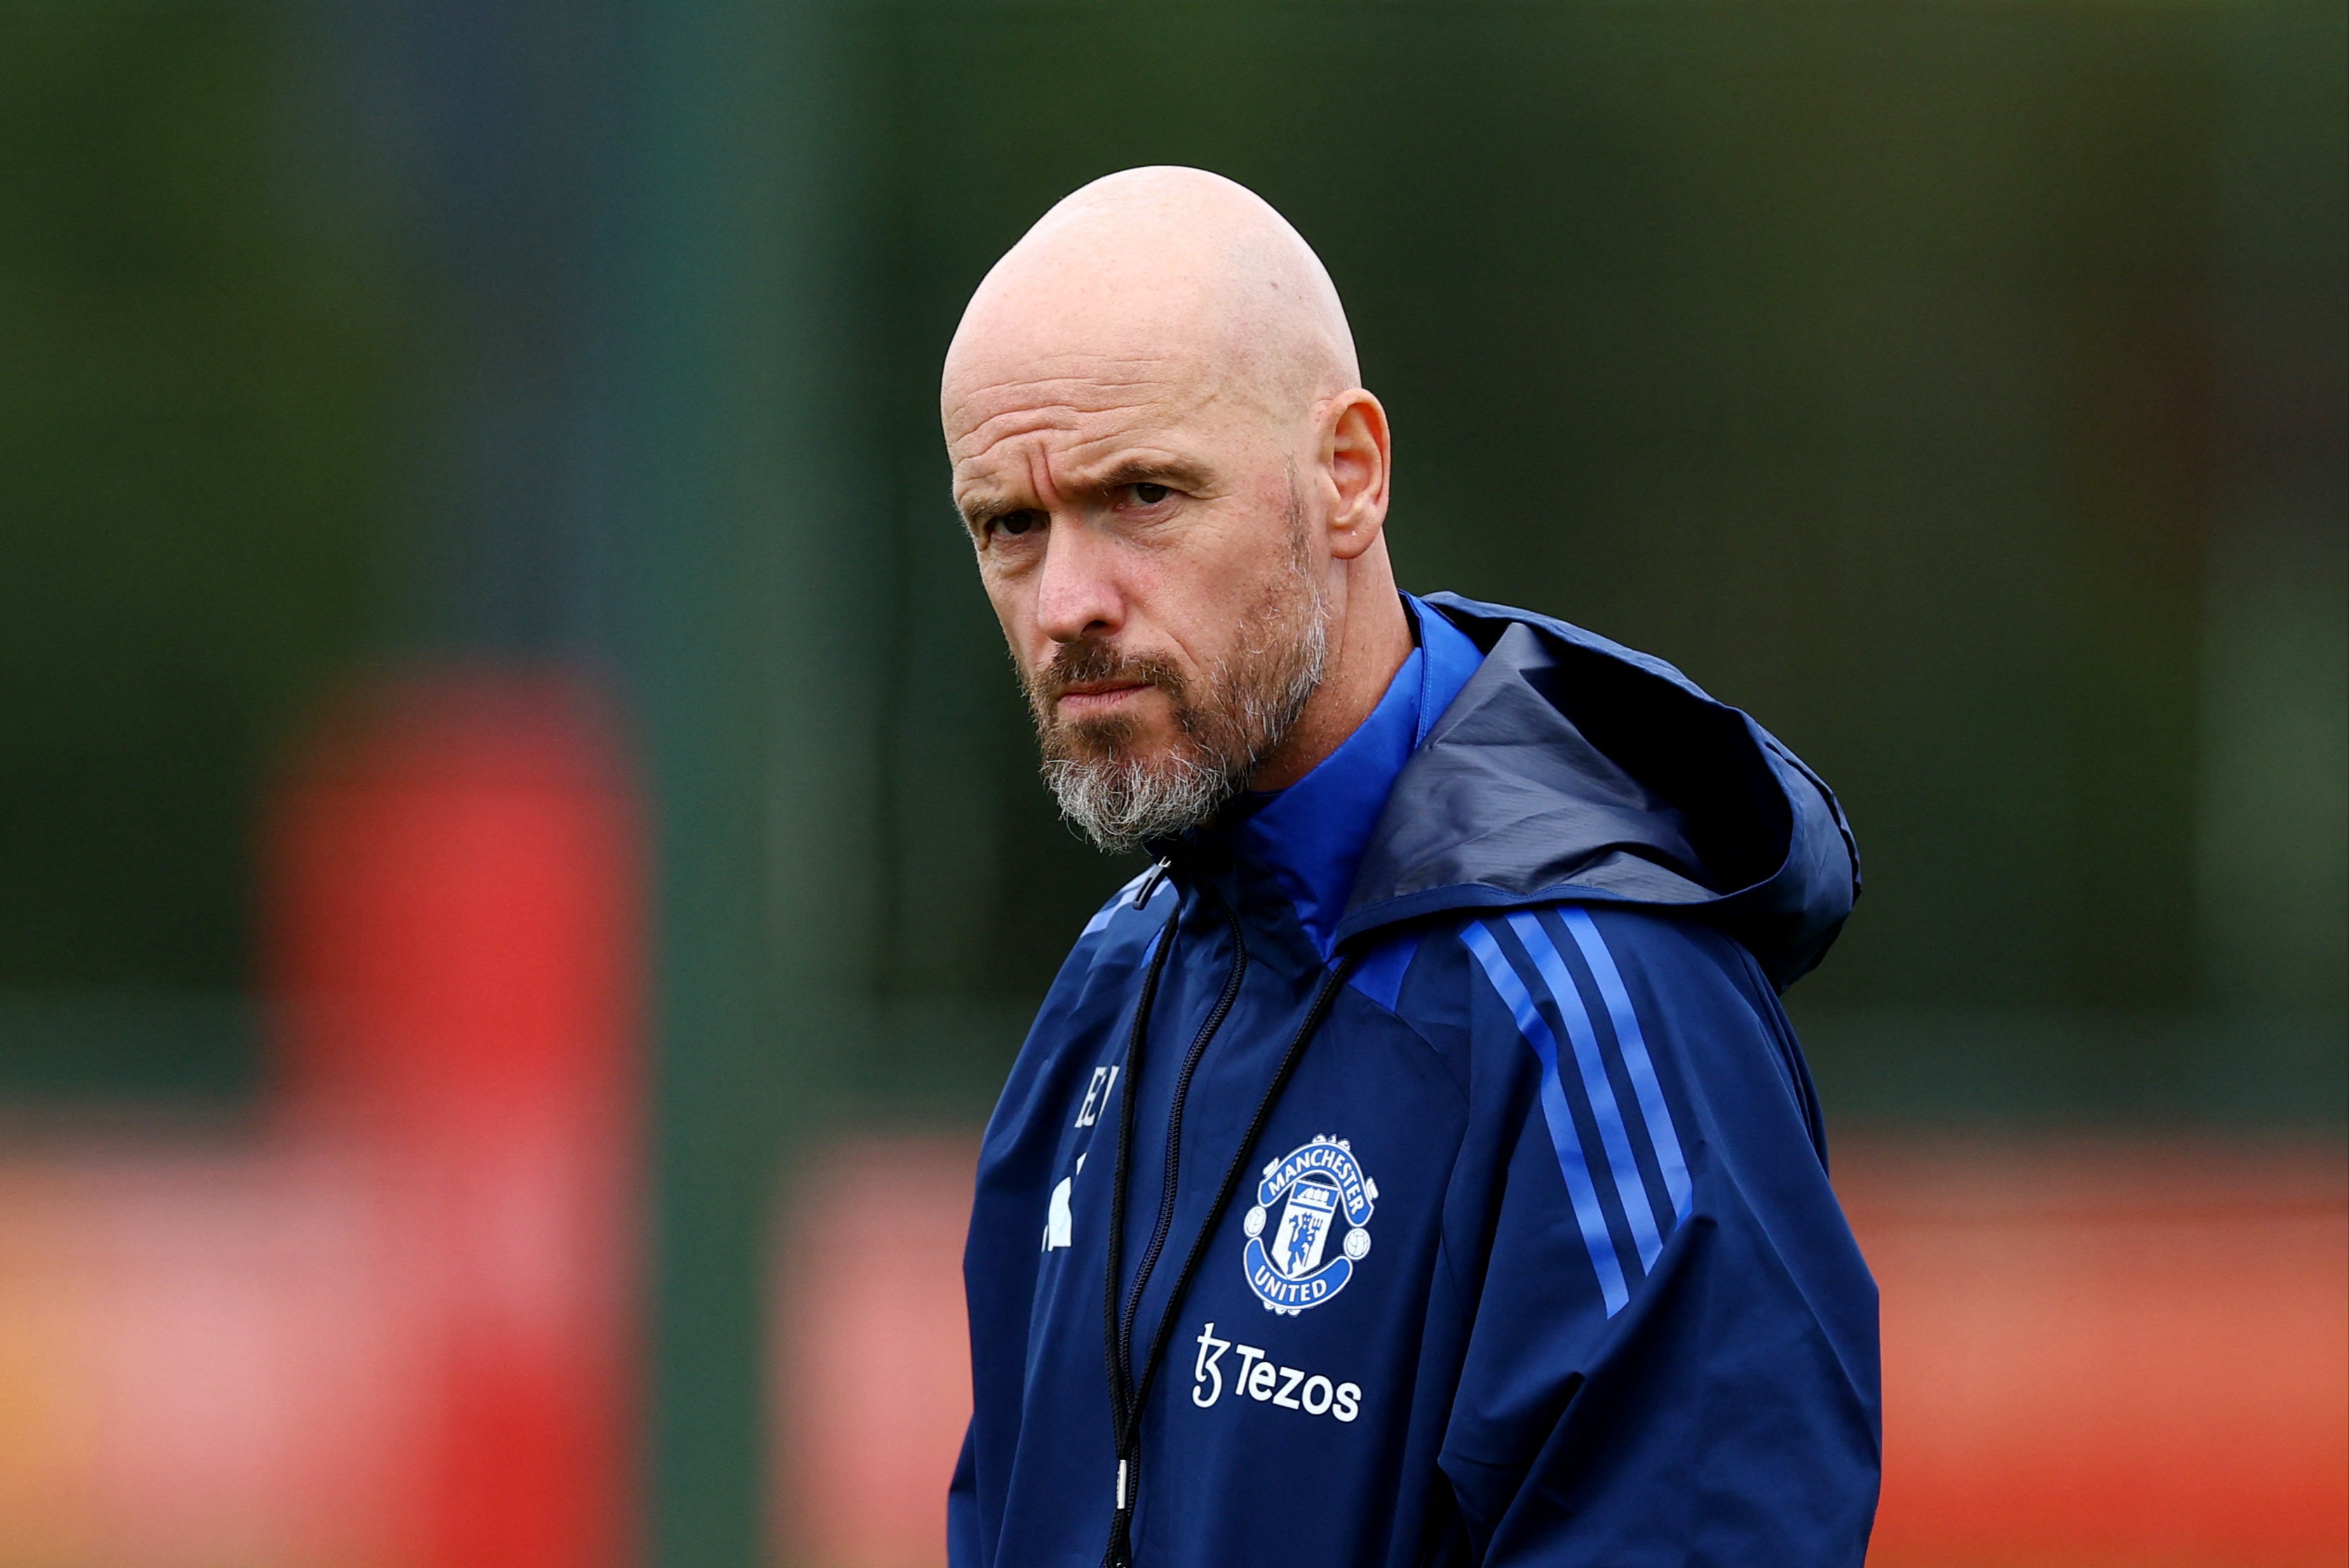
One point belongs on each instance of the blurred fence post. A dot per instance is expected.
(739, 583)
(454, 947)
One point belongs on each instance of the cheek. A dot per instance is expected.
(1014, 603)
(1204, 597)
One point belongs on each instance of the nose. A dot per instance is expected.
(1077, 593)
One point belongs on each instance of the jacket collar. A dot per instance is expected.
(1572, 768)
(1310, 837)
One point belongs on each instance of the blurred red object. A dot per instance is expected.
(454, 896)
(874, 1371)
(207, 1355)
(2110, 1354)
(2096, 1354)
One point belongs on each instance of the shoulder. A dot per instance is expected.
(1140, 894)
(1608, 983)
(1608, 952)
(1099, 972)
(1074, 1025)
(1118, 936)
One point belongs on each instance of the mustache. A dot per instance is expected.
(1088, 660)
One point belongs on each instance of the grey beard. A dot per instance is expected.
(1121, 801)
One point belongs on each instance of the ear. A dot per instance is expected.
(1355, 461)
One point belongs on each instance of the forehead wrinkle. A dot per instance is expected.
(1111, 457)
(1089, 463)
(1039, 474)
(1044, 374)
(976, 444)
(1084, 466)
(1054, 414)
(1080, 420)
(1078, 393)
(1026, 474)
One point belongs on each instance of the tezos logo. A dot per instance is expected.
(1322, 1181)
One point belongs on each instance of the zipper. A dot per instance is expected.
(1129, 1389)
(1167, 1191)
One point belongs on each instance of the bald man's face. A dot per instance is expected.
(1143, 537)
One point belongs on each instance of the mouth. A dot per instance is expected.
(1092, 699)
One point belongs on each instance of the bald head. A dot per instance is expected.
(1160, 265)
(1175, 487)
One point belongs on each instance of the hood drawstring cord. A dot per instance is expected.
(1129, 1392)
(1121, 1308)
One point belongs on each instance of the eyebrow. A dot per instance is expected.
(1175, 473)
(983, 509)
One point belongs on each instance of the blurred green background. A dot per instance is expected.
(1958, 387)
(1961, 388)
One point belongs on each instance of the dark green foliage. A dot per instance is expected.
(1958, 388)
(1857, 361)
(191, 409)
(1870, 362)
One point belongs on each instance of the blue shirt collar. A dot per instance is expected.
(1311, 836)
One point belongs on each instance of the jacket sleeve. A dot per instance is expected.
(1671, 1350)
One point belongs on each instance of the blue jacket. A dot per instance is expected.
(1475, 1203)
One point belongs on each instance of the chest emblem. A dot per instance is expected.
(1322, 1182)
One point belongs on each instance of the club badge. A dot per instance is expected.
(1321, 1182)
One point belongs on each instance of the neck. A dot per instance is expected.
(1372, 638)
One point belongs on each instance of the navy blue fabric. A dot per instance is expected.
(1571, 767)
(1536, 1262)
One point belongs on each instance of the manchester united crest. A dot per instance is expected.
(1323, 1197)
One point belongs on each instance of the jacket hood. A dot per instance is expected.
(1569, 767)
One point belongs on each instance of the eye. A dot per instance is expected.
(1148, 494)
(1014, 524)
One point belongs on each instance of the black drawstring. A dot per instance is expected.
(1129, 1395)
(1119, 1324)
(1123, 1366)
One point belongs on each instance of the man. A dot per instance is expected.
(1414, 1165)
